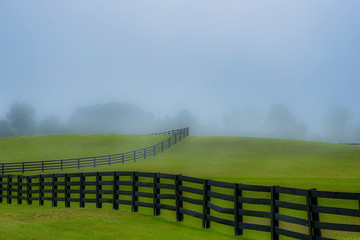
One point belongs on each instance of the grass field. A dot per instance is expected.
(37, 148)
(259, 161)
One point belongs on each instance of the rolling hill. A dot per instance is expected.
(287, 163)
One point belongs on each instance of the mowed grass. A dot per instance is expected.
(287, 163)
(45, 222)
(53, 147)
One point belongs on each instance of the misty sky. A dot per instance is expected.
(164, 56)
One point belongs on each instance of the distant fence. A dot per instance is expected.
(355, 144)
(211, 201)
(22, 167)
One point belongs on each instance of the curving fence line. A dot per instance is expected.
(268, 209)
(62, 164)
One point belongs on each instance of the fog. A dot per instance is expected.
(283, 69)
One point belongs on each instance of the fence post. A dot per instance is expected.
(179, 202)
(9, 192)
(309, 212)
(237, 205)
(162, 146)
(115, 189)
(19, 188)
(3, 168)
(274, 211)
(314, 215)
(94, 161)
(41, 190)
(54, 191)
(29, 190)
(123, 159)
(78, 163)
(134, 156)
(61, 165)
(67, 190)
(156, 191)
(175, 135)
(109, 160)
(42, 166)
(135, 189)
(169, 141)
(144, 153)
(82, 188)
(98, 190)
(1, 189)
(23, 167)
(206, 209)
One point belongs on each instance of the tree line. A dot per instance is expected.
(339, 124)
(109, 118)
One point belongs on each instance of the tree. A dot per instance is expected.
(119, 118)
(282, 123)
(21, 117)
(246, 121)
(51, 125)
(185, 118)
(5, 129)
(338, 124)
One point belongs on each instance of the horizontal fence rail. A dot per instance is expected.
(355, 144)
(62, 164)
(231, 204)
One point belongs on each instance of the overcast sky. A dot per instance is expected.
(164, 56)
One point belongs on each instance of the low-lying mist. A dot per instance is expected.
(338, 124)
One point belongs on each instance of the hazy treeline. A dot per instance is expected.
(339, 124)
(116, 118)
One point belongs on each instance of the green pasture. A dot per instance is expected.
(53, 147)
(287, 163)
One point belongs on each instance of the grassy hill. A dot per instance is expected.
(286, 163)
(37, 148)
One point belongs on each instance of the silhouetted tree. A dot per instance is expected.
(243, 122)
(282, 123)
(5, 129)
(185, 118)
(21, 117)
(338, 124)
(111, 118)
(51, 125)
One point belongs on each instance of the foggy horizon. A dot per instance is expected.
(162, 56)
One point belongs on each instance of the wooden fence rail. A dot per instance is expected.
(231, 204)
(62, 164)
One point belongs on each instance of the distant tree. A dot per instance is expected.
(338, 123)
(356, 133)
(21, 117)
(5, 129)
(185, 118)
(246, 121)
(118, 118)
(51, 125)
(282, 123)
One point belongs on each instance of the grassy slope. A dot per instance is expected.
(41, 222)
(247, 160)
(287, 163)
(36, 148)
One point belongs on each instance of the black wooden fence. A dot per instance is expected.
(211, 201)
(22, 167)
